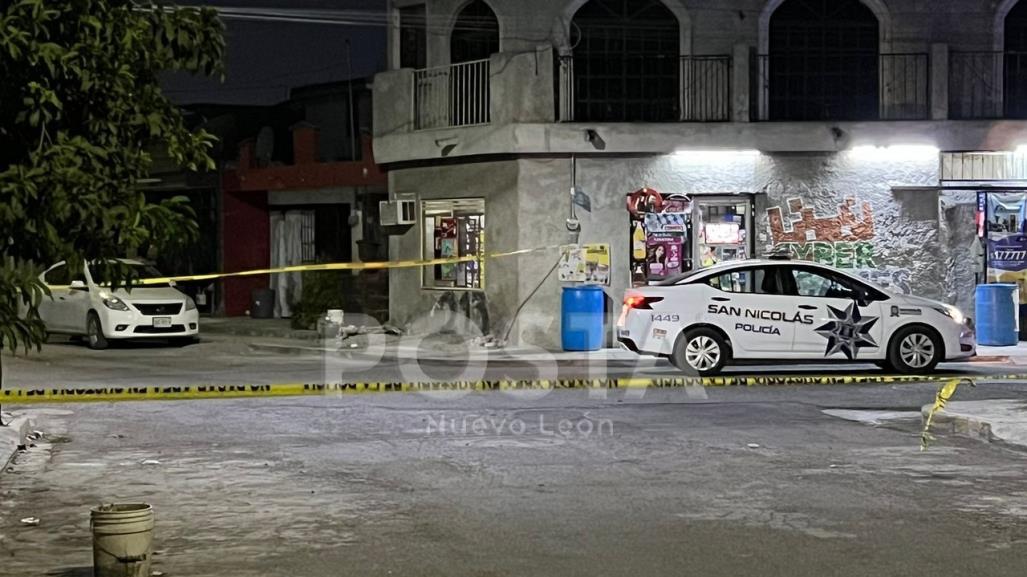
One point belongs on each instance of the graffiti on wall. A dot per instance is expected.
(842, 240)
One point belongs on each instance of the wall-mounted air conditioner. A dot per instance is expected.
(397, 212)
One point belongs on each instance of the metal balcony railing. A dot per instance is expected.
(706, 88)
(454, 95)
(644, 88)
(811, 86)
(987, 85)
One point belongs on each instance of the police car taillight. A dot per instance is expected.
(640, 302)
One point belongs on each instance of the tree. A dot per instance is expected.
(80, 105)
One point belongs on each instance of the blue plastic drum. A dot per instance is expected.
(996, 315)
(582, 318)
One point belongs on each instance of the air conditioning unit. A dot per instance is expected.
(397, 212)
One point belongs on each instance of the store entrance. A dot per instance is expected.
(673, 234)
(1002, 229)
(725, 229)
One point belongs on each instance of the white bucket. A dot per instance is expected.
(122, 540)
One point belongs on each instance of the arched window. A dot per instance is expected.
(1015, 81)
(823, 61)
(475, 34)
(626, 58)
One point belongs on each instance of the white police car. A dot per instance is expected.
(780, 310)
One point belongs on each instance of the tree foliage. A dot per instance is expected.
(80, 105)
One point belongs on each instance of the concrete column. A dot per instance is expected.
(939, 81)
(393, 102)
(740, 83)
(522, 86)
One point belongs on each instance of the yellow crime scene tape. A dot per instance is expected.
(310, 267)
(330, 267)
(112, 393)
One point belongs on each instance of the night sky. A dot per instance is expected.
(265, 59)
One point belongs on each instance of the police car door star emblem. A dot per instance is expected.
(847, 332)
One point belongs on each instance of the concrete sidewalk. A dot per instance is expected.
(247, 327)
(406, 349)
(1003, 420)
(1014, 355)
(12, 436)
(275, 336)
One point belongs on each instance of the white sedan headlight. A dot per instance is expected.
(112, 302)
(952, 312)
(190, 304)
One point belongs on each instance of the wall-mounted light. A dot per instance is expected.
(715, 156)
(896, 152)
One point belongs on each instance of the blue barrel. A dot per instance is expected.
(581, 318)
(996, 315)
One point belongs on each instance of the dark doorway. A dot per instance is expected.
(627, 62)
(475, 34)
(413, 37)
(823, 61)
(1015, 91)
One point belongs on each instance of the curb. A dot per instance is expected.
(991, 359)
(993, 420)
(298, 335)
(12, 437)
(959, 425)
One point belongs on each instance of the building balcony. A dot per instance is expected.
(839, 86)
(538, 102)
(988, 85)
(454, 95)
(635, 88)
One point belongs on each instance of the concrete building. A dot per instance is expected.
(305, 189)
(869, 134)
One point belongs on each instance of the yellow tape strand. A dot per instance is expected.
(328, 267)
(941, 399)
(193, 392)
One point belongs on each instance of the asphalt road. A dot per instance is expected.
(231, 360)
(732, 481)
(742, 482)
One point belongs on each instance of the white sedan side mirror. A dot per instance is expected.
(79, 285)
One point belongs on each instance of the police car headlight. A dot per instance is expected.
(952, 312)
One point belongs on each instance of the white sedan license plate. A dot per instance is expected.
(162, 322)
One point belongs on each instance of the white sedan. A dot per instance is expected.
(83, 304)
(779, 310)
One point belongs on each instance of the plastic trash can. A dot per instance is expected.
(995, 310)
(262, 304)
(581, 318)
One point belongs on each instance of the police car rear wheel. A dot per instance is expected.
(914, 350)
(700, 352)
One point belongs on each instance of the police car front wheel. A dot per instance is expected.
(915, 350)
(701, 352)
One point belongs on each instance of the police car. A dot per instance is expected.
(780, 310)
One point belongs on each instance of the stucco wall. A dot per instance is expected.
(905, 240)
(496, 182)
(916, 243)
